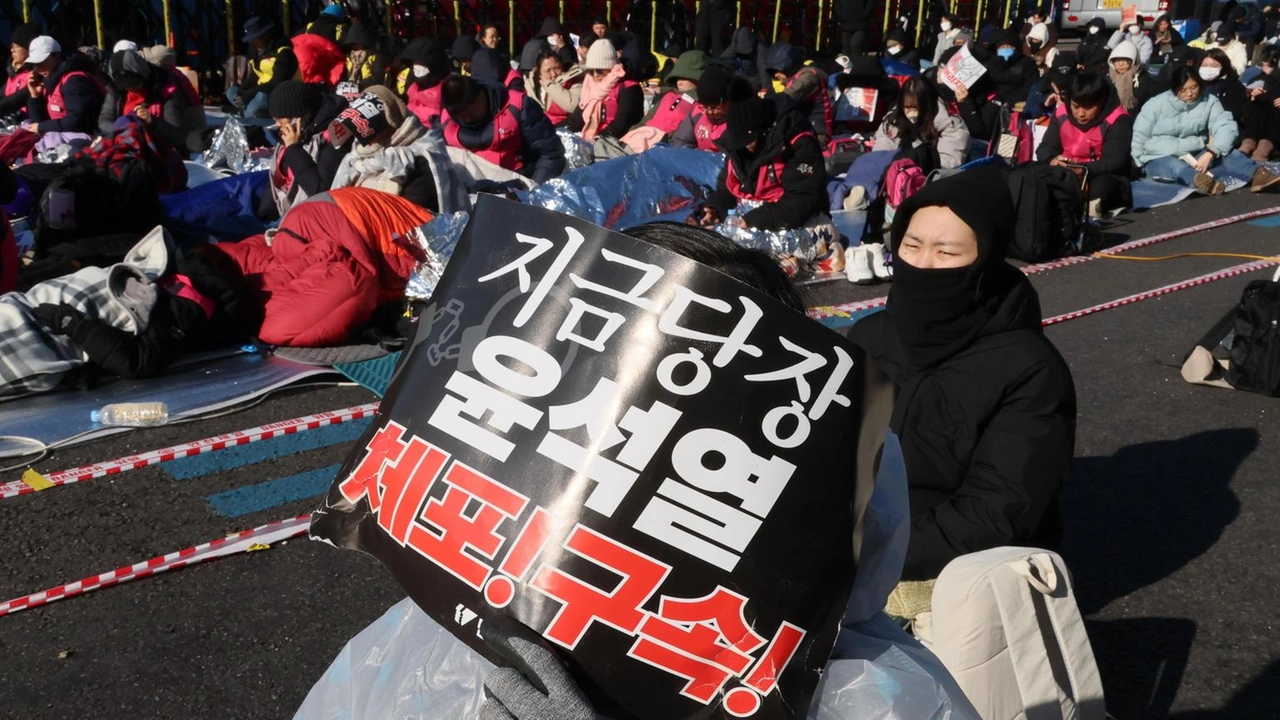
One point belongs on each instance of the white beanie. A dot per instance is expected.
(1040, 32)
(1126, 50)
(124, 45)
(600, 56)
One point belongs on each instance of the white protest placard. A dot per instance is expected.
(962, 69)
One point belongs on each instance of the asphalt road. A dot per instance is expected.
(1170, 529)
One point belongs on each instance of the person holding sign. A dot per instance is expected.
(986, 406)
(1131, 30)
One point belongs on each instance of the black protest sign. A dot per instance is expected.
(647, 462)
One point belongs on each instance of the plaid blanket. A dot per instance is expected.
(132, 141)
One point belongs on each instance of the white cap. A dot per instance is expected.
(41, 48)
(124, 45)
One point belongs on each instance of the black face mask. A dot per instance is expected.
(934, 312)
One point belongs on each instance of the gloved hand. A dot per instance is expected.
(535, 686)
(58, 319)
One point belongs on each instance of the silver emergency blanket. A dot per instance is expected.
(664, 183)
(577, 152)
(405, 665)
(437, 239)
(230, 148)
(801, 243)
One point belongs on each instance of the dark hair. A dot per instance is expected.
(753, 268)
(1181, 75)
(547, 55)
(1088, 89)
(485, 29)
(926, 97)
(1220, 57)
(456, 92)
(1270, 56)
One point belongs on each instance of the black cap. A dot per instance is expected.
(464, 47)
(294, 99)
(551, 26)
(713, 85)
(24, 34)
(748, 121)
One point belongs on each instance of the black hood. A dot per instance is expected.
(792, 120)
(743, 44)
(487, 64)
(784, 58)
(359, 34)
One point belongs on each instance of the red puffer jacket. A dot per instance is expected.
(334, 259)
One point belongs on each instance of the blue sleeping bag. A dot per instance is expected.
(216, 211)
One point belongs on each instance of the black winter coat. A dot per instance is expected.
(987, 435)
(854, 15)
(83, 97)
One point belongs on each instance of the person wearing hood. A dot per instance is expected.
(742, 52)
(897, 47)
(1092, 52)
(921, 120)
(305, 161)
(1039, 16)
(1091, 133)
(332, 22)
(784, 66)
(1186, 122)
(980, 115)
(713, 25)
(675, 105)
(428, 67)
(365, 67)
(556, 90)
(65, 94)
(986, 405)
(948, 28)
(718, 90)
(1012, 72)
(1129, 77)
(552, 33)
(463, 49)
(162, 99)
(610, 102)
(271, 62)
(854, 18)
(1164, 39)
(1036, 46)
(1133, 33)
(17, 71)
(502, 126)
(773, 157)
(488, 65)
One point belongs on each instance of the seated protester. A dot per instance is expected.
(464, 48)
(1164, 39)
(1188, 123)
(1092, 133)
(771, 157)
(1183, 55)
(1039, 16)
(718, 90)
(1012, 72)
(428, 67)
(986, 406)
(1037, 47)
(921, 119)
(1263, 135)
(167, 105)
(674, 106)
(332, 23)
(365, 67)
(305, 161)
(1226, 41)
(554, 35)
(1222, 81)
(1092, 53)
(949, 26)
(1046, 95)
(784, 67)
(488, 65)
(1133, 33)
(17, 71)
(974, 105)
(1129, 78)
(271, 62)
(557, 91)
(867, 73)
(610, 102)
(742, 52)
(503, 126)
(897, 47)
(65, 94)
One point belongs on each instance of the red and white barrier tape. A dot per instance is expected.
(198, 447)
(1165, 290)
(846, 309)
(245, 541)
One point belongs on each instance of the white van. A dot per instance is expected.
(1076, 14)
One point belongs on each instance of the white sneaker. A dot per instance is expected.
(879, 261)
(857, 198)
(857, 265)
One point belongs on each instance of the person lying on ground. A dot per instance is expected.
(64, 92)
(306, 161)
(162, 99)
(1091, 134)
(502, 126)
(986, 407)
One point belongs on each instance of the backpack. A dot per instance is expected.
(1006, 625)
(83, 201)
(1250, 332)
(1049, 207)
(903, 178)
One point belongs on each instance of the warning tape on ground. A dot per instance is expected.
(198, 447)
(847, 309)
(247, 541)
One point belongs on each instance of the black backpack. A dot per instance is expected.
(1249, 338)
(1050, 211)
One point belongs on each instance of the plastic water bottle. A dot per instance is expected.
(141, 414)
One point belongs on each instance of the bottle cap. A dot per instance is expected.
(95, 416)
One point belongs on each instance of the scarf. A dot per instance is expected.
(1123, 83)
(594, 93)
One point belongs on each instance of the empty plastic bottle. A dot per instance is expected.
(141, 414)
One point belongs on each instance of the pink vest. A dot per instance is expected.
(673, 108)
(504, 149)
(1084, 146)
(57, 106)
(425, 104)
(609, 108)
(707, 132)
(768, 184)
(17, 82)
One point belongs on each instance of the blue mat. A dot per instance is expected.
(1149, 194)
(374, 375)
(835, 323)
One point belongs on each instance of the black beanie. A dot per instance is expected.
(464, 47)
(294, 99)
(713, 85)
(24, 34)
(748, 121)
(980, 197)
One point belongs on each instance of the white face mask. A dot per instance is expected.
(946, 26)
(911, 115)
(894, 49)
(553, 41)
(421, 71)
(1209, 74)
(1093, 29)
(1135, 30)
